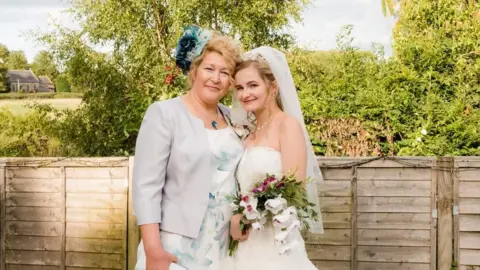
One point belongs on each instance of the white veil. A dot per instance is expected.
(277, 61)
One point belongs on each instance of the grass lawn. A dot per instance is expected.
(17, 106)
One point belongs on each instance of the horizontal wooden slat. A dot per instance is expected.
(33, 243)
(99, 260)
(469, 206)
(469, 267)
(336, 220)
(28, 228)
(338, 237)
(86, 200)
(470, 240)
(394, 254)
(392, 266)
(94, 245)
(89, 268)
(97, 173)
(34, 214)
(328, 253)
(96, 186)
(394, 174)
(469, 175)
(39, 173)
(33, 185)
(393, 221)
(32, 267)
(390, 162)
(470, 223)
(336, 204)
(469, 189)
(33, 257)
(334, 188)
(332, 174)
(33, 199)
(469, 257)
(393, 188)
(67, 162)
(331, 265)
(83, 268)
(469, 162)
(95, 215)
(406, 238)
(95, 230)
(394, 204)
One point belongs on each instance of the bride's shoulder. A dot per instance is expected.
(288, 123)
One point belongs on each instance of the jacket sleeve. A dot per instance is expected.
(152, 152)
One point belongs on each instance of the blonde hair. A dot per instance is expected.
(266, 74)
(226, 47)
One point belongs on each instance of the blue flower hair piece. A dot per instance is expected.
(191, 46)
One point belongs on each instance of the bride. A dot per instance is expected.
(277, 144)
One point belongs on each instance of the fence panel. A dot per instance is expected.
(65, 214)
(467, 225)
(377, 215)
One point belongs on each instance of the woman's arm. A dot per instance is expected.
(293, 149)
(151, 157)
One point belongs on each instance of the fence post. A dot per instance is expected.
(133, 237)
(353, 242)
(3, 227)
(63, 205)
(444, 172)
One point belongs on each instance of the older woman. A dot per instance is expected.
(186, 154)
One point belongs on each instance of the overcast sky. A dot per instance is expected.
(322, 21)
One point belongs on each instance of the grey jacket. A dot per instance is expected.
(172, 169)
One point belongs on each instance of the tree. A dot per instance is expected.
(62, 84)
(388, 7)
(17, 60)
(3, 77)
(4, 53)
(44, 65)
(120, 85)
(439, 41)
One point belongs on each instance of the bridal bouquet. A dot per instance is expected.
(281, 201)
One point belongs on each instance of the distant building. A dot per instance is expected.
(25, 81)
(45, 85)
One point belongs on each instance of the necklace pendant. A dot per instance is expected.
(214, 124)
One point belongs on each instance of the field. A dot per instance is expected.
(17, 106)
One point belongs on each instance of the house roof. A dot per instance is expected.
(44, 80)
(22, 76)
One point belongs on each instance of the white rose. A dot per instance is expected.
(257, 226)
(295, 225)
(275, 205)
(282, 220)
(281, 237)
(250, 210)
(288, 247)
(233, 206)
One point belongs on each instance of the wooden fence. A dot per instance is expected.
(379, 214)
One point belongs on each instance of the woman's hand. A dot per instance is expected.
(235, 231)
(159, 259)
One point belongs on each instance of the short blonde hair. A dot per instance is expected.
(226, 47)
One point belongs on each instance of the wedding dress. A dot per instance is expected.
(260, 251)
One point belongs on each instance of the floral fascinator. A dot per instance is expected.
(191, 45)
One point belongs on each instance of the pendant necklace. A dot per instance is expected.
(266, 122)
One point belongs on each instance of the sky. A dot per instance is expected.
(322, 21)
